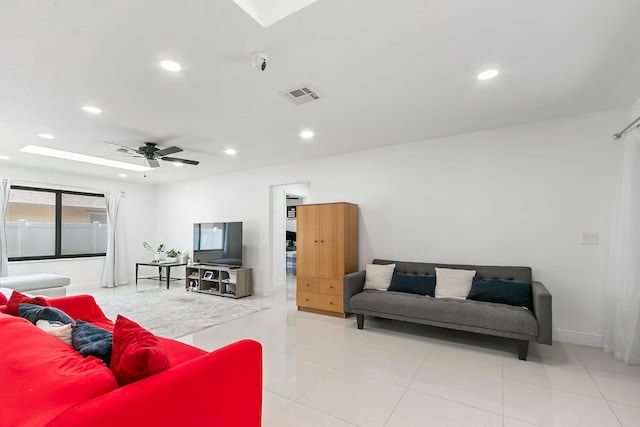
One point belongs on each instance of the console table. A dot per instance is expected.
(160, 266)
(233, 282)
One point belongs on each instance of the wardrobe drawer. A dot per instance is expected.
(319, 301)
(330, 286)
(307, 284)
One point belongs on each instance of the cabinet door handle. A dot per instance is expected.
(306, 299)
(315, 241)
(330, 302)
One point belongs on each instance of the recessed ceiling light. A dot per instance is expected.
(230, 152)
(50, 152)
(122, 175)
(5, 158)
(487, 74)
(170, 66)
(46, 136)
(178, 164)
(91, 109)
(307, 134)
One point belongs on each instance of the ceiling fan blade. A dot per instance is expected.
(168, 151)
(153, 163)
(122, 148)
(177, 160)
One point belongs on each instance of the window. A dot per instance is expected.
(44, 224)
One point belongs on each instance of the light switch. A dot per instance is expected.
(589, 238)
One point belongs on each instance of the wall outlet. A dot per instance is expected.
(589, 238)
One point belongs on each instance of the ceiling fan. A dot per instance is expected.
(152, 153)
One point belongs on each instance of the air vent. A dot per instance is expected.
(301, 95)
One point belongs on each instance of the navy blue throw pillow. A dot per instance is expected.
(89, 340)
(503, 292)
(33, 313)
(413, 284)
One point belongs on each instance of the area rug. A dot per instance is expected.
(173, 313)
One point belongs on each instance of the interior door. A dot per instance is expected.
(330, 226)
(307, 240)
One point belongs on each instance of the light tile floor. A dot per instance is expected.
(323, 371)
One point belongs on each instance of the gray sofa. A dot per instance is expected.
(467, 315)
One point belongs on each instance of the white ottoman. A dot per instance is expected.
(52, 285)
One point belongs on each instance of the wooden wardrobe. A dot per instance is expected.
(327, 249)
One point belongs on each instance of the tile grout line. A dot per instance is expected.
(407, 387)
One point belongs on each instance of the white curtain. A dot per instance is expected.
(5, 185)
(622, 335)
(115, 263)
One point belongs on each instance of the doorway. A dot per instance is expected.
(284, 200)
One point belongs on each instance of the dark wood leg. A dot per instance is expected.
(360, 320)
(523, 349)
(168, 276)
(137, 276)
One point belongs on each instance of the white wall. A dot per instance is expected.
(512, 196)
(138, 207)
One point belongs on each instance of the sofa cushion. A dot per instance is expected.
(90, 340)
(420, 284)
(137, 353)
(18, 298)
(503, 292)
(477, 316)
(453, 283)
(42, 377)
(378, 276)
(3, 299)
(33, 313)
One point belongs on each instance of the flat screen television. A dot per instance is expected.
(217, 243)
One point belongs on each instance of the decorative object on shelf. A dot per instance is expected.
(291, 212)
(158, 254)
(186, 256)
(172, 255)
(208, 275)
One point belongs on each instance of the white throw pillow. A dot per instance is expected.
(58, 330)
(453, 283)
(378, 276)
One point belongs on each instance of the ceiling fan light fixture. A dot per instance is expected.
(122, 175)
(46, 136)
(170, 65)
(91, 109)
(230, 152)
(178, 164)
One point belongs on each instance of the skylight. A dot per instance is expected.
(68, 155)
(267, 12)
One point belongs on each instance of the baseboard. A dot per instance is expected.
(580, 338)
(263, 292)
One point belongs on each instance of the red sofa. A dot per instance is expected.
(45, 382)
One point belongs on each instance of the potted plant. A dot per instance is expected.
(185, 257)
(172, 255)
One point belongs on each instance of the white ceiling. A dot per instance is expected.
(387, 72)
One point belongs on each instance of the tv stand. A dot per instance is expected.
(222, 280)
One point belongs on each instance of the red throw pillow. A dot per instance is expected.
(136, 353)
(3, 299)
(17, 298)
